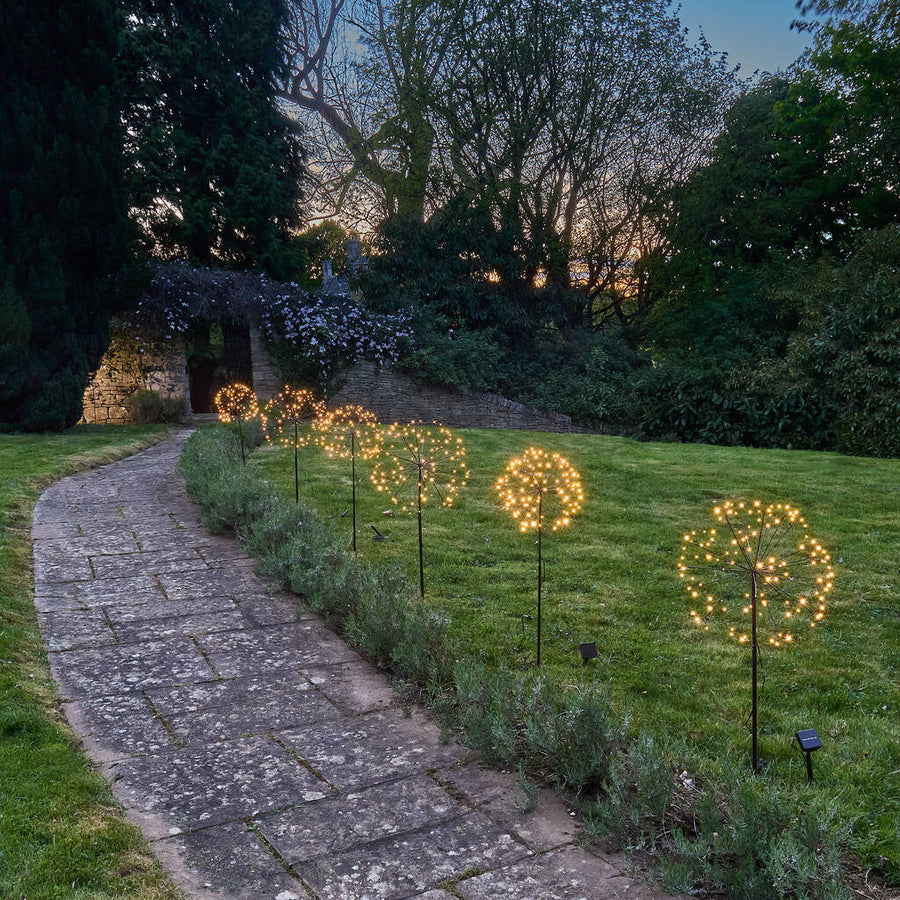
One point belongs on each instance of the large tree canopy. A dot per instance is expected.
(215, 166)
(63, 226)
(551, 118)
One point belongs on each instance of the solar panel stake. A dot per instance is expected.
(809, 741)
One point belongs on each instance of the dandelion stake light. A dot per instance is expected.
(237, 403)
(533, 485)
(431, 459)
(762, 569)
(286, 412)
(343, 432)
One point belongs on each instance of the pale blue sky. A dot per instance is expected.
(754, 33)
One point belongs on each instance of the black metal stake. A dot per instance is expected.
(241, 438)
(353, 481)
(809, 775)
(296, 464)
(754, 656)
(421, 556)
(540, 575)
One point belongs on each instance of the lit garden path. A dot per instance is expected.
(260, 756)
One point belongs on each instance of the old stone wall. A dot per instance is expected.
(138, 362)
(134, 362)
(394, 397)
(266, 380)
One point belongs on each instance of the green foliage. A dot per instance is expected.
(830, 383)
(326, 240)
(63, 227)
(847, 349)
(215, 169)
(152, 408)
(754, 842)
(856, 61)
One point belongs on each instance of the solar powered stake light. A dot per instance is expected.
(343, 432)
(809, 741)
(286, 412)
(763, 565)
(534, 483)
(429, 459)
(235, 403)
(588, 651)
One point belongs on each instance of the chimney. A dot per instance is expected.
(354, 254)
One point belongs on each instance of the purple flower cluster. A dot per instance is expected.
(333, 329)
(326, 330)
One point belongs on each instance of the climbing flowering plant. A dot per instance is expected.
(325, 331)
(329, 330)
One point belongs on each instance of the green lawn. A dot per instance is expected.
(611, 577)
(61, 833)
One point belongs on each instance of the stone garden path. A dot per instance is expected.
(260, 755)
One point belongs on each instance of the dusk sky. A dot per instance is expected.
(754, 33)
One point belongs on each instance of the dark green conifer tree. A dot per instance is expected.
(63, 223)
(216, 167)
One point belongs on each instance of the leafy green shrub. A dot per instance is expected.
(753, 842)
(152, 408)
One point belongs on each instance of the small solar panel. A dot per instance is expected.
(588, 650)
(808, 739)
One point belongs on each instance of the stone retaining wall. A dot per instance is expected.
(134, 363)
(394, 397)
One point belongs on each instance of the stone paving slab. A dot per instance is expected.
(123, 565)
(343, 821)
(354, 687)
(568, 874)
(209, 582)
(161, 627)
(159, 608)
(491, 793)
(215, 783)
(230, 861)
(120, 726)
(268, 609)
(273, 648)
(262, 757)
(120, 591)
(53, 570)
(128, 667)
(73, 629)
(247, 715)
(378, 747)
(410, 864)
(250, 690)
(84, 545)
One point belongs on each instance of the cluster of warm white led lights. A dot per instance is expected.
(289, 411)
(766, 552)
(537, 483)
(236, 402)
(423, 460)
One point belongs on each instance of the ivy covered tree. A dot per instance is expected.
(216, 168)
(63, 210)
